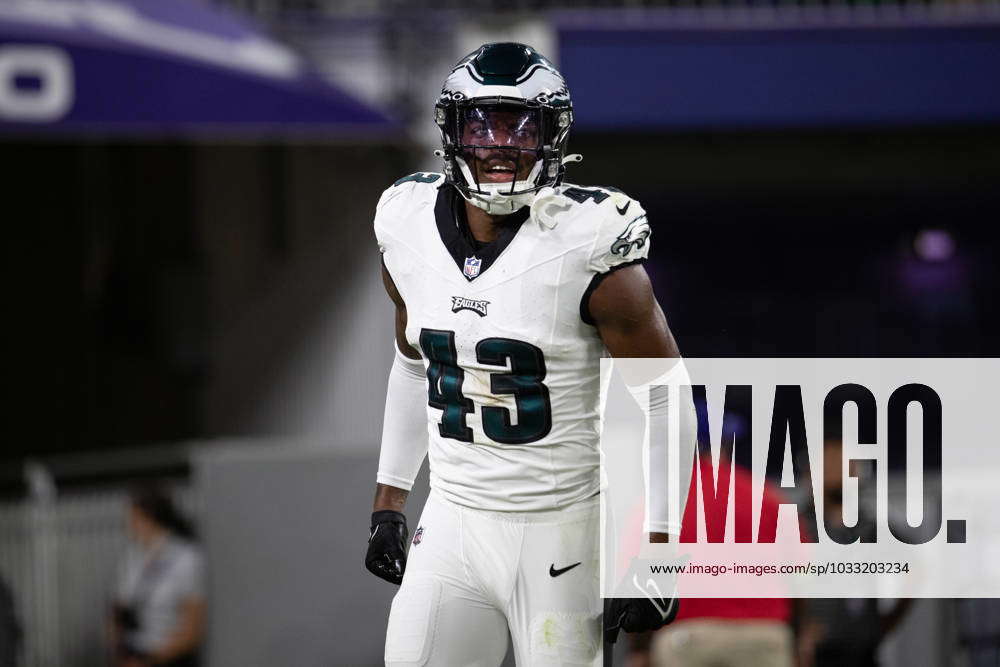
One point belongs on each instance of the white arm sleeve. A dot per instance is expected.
(404, 427)
(670, 440)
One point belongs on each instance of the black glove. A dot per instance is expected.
(637, 615)
(386, 557)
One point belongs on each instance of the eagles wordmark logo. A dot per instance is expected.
(461, 303)
(633, 238)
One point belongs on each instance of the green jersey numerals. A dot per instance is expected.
(444, 380)
(418, 178)
(583, 194)
(524, 382)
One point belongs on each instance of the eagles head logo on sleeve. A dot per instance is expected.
(632, 238)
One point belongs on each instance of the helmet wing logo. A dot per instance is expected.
(632, 238)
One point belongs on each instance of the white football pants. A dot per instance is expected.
(471, 575)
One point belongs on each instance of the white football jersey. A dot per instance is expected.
(513, 365)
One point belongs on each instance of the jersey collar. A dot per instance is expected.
(449, 213)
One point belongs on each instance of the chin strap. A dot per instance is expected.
(510, 204)
(505, 206)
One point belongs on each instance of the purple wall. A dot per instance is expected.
(660, 76)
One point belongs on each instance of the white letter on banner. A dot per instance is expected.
(52, 67)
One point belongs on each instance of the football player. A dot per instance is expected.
(509, 286)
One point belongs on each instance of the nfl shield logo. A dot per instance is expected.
(472, 265)
(417, 536)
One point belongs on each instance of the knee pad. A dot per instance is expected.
(412, 622)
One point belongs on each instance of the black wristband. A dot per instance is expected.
(387, 516)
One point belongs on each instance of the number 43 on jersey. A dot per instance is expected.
(523, 381)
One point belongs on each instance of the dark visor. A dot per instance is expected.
(500, 126)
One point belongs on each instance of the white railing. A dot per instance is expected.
(60, 554)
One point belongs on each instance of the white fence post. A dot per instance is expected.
(43, 536)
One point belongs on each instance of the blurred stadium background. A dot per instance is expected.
(193, 289)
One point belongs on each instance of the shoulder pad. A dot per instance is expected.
(398, 202)
(612, 223)
(574, 202)
(621, 230)
(408, 184)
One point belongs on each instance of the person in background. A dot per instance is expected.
(724, 632)
(158, 617)
(10, 629)
(846, 631)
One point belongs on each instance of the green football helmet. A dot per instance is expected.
(504, 115)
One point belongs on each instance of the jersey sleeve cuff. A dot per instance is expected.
(393, 480)
(662, 527)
